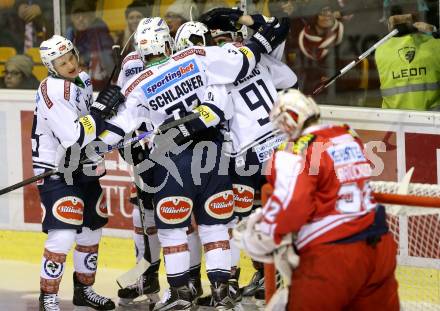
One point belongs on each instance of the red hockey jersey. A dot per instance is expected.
(321, 188)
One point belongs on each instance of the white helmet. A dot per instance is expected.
(151, 37)
(187, 30)
(53, 48)
(292, 110)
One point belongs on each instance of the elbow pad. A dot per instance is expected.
(208, 116)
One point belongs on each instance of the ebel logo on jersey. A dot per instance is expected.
(170, 77)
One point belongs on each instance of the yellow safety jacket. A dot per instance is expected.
(409, 72)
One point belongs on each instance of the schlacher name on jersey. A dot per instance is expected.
(176, 82)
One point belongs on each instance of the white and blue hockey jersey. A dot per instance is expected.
(131, 66)
(247, 103)
(177, 84)
(61, 119)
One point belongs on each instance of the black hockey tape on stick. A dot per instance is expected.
(356, 61)
(116, 53)
(119, 145)
(28, 181)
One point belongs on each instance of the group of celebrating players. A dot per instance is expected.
(195, 183)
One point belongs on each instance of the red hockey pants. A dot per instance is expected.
(341, 277)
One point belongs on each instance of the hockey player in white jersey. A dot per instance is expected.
(172, 85)
(74, 210)
(144, 229)
(131, 66)
(245, 104)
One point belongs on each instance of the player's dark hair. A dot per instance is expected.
(310, 121)
(196, 40)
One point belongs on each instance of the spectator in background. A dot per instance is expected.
(26, 24)
(179, 13)
(36, 21)
(134, 12)
(206, 5)
(92, 38)
(325, 32)
(18, 74)
(409, 69)
(315, 56)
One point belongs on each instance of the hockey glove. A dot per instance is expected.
(107, 103)
(259, 21)
(185, 130)
(222, 18)
(269, 36)
(134, 154)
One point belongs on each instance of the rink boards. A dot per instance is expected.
(397, 140)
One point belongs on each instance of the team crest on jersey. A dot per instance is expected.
(174, 210)
(53, 269)
(243, 198)
(69, 210)
(91, 261)
(407, 54)
(170, 77)
(220, 205)
(101, 206)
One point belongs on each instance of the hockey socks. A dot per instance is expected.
(138, 234)
(195, 250)
(52, 269)
(85, 261)
(176, 255)
(57, 246)
(215, 240)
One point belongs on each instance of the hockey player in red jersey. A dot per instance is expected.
(321, 206)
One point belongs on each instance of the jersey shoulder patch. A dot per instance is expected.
(44, 93)
(67, 90)
(298, 146)
(129, 57)
(135, 81)
(188, 52)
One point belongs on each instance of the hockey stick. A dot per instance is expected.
(55, 170)
(119, 145)
(117, 53)
(356, 61)
(132, 275)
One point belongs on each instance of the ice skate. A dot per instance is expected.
(49, 302)
(256, 282)
(85, 296)
(147, 284)
(176, 298)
